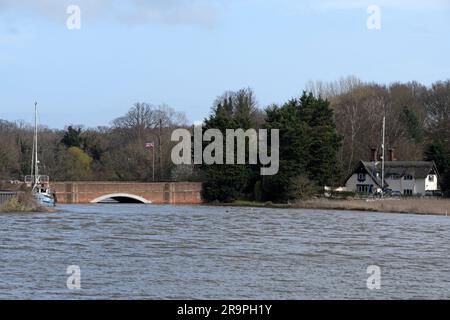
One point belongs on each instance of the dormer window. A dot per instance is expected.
(361, 177)
(408, 177)
(431, 178)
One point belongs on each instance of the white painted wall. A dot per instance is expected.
(402, 185)
(420, 187)
(431, 185)
(395, 185)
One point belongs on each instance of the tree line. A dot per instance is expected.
(324, 132)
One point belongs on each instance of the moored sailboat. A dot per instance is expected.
(40, 184)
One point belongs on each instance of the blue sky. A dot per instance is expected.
(185, 53)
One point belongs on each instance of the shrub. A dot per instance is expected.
(301, 188)
(12, 205)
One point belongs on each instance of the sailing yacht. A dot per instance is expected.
(40, 183)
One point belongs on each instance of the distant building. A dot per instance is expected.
(408, 178)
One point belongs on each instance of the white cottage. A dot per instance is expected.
(417, 178)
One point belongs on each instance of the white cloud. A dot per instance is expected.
(200, 12)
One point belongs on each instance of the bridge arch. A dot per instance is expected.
(122, 198)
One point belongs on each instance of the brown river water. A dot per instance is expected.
(201, 252)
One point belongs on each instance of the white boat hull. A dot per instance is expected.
(45, 199)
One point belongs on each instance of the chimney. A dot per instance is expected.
(373, 154)
(391, 156)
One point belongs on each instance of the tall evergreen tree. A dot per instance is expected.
(234, 110)
(412, 123)
(72, 138)
(309, 144)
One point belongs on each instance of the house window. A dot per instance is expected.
(394, 177)
(408, 177)
(408, 192)
(361, 177)
(431, 178)
(363, 188)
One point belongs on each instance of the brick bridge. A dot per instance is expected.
(128, 192)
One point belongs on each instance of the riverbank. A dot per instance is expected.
(24, 203)
(410, 206)
(406, 206)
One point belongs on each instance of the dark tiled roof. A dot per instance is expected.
(418, 169)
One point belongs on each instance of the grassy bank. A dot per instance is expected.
(23, 204)
(253, 204)
(410, 205)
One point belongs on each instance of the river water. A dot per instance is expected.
(200, 252)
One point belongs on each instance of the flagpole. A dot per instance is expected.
(153, 166)
(382, 163)
(152, 146)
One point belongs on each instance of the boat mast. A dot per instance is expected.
(382, 158)
(35, 146)
(32, 161)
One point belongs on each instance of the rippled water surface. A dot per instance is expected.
(170, 252)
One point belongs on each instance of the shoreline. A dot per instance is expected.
(435, 207)
(416, 206)
(24, 204)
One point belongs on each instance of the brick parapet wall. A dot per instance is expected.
(157, 193)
